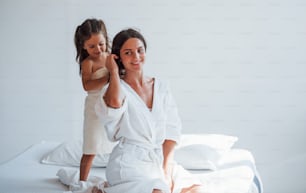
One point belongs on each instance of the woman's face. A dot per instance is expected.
(95, 45)
(132, 54)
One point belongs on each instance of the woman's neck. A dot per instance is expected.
(136, 79)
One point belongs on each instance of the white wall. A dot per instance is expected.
(236, 67)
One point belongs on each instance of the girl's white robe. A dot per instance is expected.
(135, 164)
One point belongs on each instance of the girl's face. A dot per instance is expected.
(132, 54)
(95, 45)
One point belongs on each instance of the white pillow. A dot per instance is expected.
(203, 151)
(70, 153)
(217, 141)
(197, 156)
(195, 151)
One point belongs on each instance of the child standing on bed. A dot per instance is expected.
(92, 46)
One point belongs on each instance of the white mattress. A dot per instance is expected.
(25, 173)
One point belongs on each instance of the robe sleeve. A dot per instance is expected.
(109, 117)
(173, 121)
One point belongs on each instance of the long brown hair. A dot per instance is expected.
(83, 32)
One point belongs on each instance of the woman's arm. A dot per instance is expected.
(113, 96)
(168, 152)
(173, 133)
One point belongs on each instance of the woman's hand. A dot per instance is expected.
(169, 182)
(113, 96)
(168, 176)
(111, 64)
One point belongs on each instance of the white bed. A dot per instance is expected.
(26, 174)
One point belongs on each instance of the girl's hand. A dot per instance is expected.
(103, 57)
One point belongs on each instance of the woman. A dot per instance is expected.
(140, 113)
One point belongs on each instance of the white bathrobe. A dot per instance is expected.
(135, 165)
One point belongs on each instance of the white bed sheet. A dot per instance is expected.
(26, 174)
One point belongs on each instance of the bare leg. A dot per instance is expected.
(85, 166)
(192, 189)
(157, 191)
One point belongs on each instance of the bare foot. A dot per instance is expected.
(192, 189)
(95, 189)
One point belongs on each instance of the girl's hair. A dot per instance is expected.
(120, 39)
(83, 32)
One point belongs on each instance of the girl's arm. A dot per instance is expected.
(87, 81)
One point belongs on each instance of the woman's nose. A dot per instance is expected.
(136, 55)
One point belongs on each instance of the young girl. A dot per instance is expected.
(92, 46)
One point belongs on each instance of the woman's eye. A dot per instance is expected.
(141, 51)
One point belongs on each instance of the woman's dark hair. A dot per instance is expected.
(120, 39)
(83, 32)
